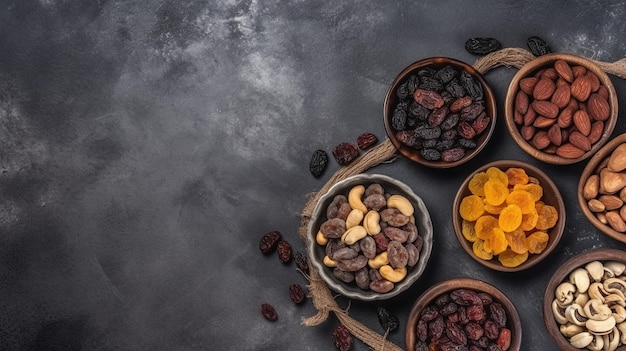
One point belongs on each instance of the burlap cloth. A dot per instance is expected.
(318, 291)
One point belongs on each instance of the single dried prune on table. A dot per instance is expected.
(318, 163)
(269, 242)
(538, 46)
(296, 294)
(482, 46)
(342, 339)
(365, 140)
(284, 251)
(269, 312)
(398, 119)
(388, 321)
(344, 153)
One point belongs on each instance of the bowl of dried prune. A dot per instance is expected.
(560, 108)
(369, 237)
(439, 112)
(508, 215)
(463, 314)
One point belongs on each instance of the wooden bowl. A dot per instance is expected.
(317, 252)
(392, 100)
(561, 275)
(551, 153)
(596, 163)
(445, 287)
(551, 196)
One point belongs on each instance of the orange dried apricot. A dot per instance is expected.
(477, 183)
(516, 175)
(510, 218)
(535, 190)
(478, 247)
(529, 221)
(497, 243)
(494, 210)
(471, 207)
(537, 242)
(495, 192)
(496, 173)
(484, 225)
(511, 259)
(523, 199)
(517, 241)
(469, 233)
(547, 217)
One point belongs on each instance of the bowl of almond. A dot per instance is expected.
(561, 108)
(602, 189)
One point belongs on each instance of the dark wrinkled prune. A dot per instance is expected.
(471, 86)
(452, 119)
(344, 153)
(342, 339)
(426, 72)
(452, 154)
(444, 145)
(446, 74)
(388, 321)
(419, 111)
(269, 312)
(467, 143)
(428, 132)
(430, 83)
(409, 138)
(482, 46)
(398, 120)
(430, 154)
(538, 46)
(365, 140)
(318, 163)
(437, 116)
(403, 91)
(269, 242)
(284, 251)
(296, 293)
(302, 262)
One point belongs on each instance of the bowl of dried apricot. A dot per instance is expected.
(602, 189)
(560, 108)
(439, 112)
(583, 304)
(459, 313)
(369, 237)
(508, 215)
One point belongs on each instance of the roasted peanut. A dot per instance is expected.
(354, 234)
(393, 275)
(354, 198)
(371, 222)
(401, 203)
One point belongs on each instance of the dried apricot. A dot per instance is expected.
(478, 247)
(495, 192)
(511, 259)
(517, 241)
(516, 175)
(537, 242)
(523, 199)
(484, 225)
(471, 207)
(477, 183)
(496, 173)
(494, 210)
(529, 221)
(469, 233)
(497, 243)
(535, 190)
(510, 218)
(547, 217)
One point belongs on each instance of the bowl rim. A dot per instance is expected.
(488, 96)
(576, 261)
(529, 68)
(468, 283)
(426, 231)
(590, 168)
(558, 229)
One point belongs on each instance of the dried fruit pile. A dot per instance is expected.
(504, 216)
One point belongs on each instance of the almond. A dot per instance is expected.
(603, 91)
(596, 205)
(545, 108)
(543, 122)
(565, 117)
(570, 151)
(581, 88)
(579, 70)
(617, 160)
(527, 85)
(521, 102)
(615, 221)
(564, 70)
(550, 73)
(591, 187)
(540, 140)
(594, 81)
(555, 135)
(518, 118)
(611, 202)
(561, 95)
(529, 117)
(544, 89)
(598, 107)
(597, 128)
(579, 140)
(582, 122)
(527, 132)
(611, 182)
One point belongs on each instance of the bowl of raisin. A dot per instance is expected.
(439, 112)
(508, 215)
(560, 108)
(463, 314)
(369, 237)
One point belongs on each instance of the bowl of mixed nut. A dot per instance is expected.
(560, 108)
(439, 112)
(369, 237)
(583, 304)
(463, 314)
(602, 189)
(508, 215)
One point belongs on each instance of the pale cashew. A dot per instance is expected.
(401, 203)
(611, 340)
(371, 222)
(597, 343)
(619, 313)
(379, 260)
(354, 218)
(393, 275)
(320, 239)
(616, 267)
(570, 329)
(581, 340)
(329, 262)
(595, 269)
(581, 299)
(580, 278)
(600, 327)
(354, 234)
(354, 198)
(565, 293)
(622, 328)
(575, 314)
(597, 310)
(558, 312)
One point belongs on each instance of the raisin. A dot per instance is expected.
(296, 294)
(467, 143)
(450, 122)
(473, 330)
(419, 111)
(445, 144)
(481, 122)
(429, 313)
(436, 327)
(428, 98)
(425, 132)
(472, 87)
(472, 111)
(482, 46)
(269, 242)
(475, 312)
(465, 297)
(382, 242)
(409, 138)
(504, 339)
(449, 308)
(455, 88)
(538, 46)
(365, 140)
(437, 116)
(342, 339)
(491, 330)
(430, 83)
(398, 119)
(344, 153)
(453, 154)
(422, 330)
(284, 251)
(445, 74)
(497, 314)
(430, 154)
(269, 312)
(465, 130)
(388, 321)
(302, 262)
(318, 163)
(403, 91)
(455, 333)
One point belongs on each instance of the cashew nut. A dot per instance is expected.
(570, 329)
(597, 343)
(611, 340)
(379, 260)
(580, 278)
(354, 234)
(600, 327)
(581, 340)
(596, 291)
(575, 314)
(401, 203)
(320, 239)
(393, 275)
(328, 262)
(622, 329)
(597, 310)
(558, 312)
(616, 267)
(565, 293)
(595, 269)
(581, 299)
(615, 286)
(619, 313)
(354, 218)
(371, 222)
(354, 198)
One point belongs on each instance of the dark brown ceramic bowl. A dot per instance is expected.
(551, 196)
(317, 252)
(562, 275)
(550, 154)
(447, 286)
(392, 99)
(596, 163)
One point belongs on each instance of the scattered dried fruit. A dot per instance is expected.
(318, 163)
(269, 312)
(342, 339)
(482, 46)
(269, 242)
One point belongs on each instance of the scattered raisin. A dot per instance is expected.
(341, 338)
(366, 140)
(302, 262)
(269, 312)
(388, 321)
(296, 294)
(318, 163)
(284, 251)
(538, 46)
(344, 153)
(269, 242)
(482, 46)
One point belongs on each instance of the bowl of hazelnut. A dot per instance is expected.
(560, 108)
(602, 189)
(439, 112)
(459, 313)
(369, 237)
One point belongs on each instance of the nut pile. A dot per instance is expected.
(370, 238)
(589, 306)
(605, 190)
(562, 109)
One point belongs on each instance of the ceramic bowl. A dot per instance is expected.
(583, 269)
(441, 289)
(317, 251)
(546, 132)
(551, 196)
(393, 99)
(596, 164)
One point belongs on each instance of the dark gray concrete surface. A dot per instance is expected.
(146, 146)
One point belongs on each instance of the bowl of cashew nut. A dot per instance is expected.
(584, 305)
(369, 237)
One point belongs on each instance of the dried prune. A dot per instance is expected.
(365, 140)
(430, 83)
(403, 91)
(398, 119)
(269, 312)
(302, 262)
(284, 251)
(409, 138)
(430, 154)
(472, 87)
(342, 339)
(296, 294)
(318, 163)
(453, 154)
(465, 297)
(270, 241)
(538, 46)
(430, 99)
(344, 153)
(482, 46)
(388, 321)
(445, 74)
